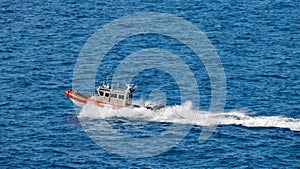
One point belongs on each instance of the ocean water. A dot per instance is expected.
(257, 42)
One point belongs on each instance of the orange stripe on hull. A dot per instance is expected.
(79, 98)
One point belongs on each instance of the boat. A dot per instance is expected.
(107, 96)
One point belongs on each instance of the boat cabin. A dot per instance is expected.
(115, 97)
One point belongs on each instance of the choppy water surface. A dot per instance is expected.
(257, 42)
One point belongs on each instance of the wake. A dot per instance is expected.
(185, 115)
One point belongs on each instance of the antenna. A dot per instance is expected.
(129, 86)
(107, 84)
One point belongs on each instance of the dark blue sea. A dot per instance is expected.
(258, 46)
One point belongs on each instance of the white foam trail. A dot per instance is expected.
(184, 115)
(239, 118)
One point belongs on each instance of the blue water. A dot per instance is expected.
(258, 43)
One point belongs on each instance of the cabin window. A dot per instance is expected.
(106, 94)
(121, 96)
(114, 95)
(101, 93)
